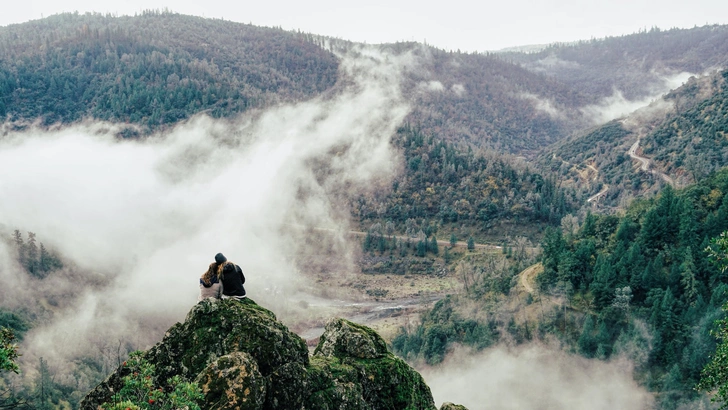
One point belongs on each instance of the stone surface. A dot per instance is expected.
(243, 358)
(232, 382)
(343, 338)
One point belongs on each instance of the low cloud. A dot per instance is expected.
(543, 104)
(617, 106)
(431, 86)
(551, 62)
(458, 89)
(535, 377)
(140, 220)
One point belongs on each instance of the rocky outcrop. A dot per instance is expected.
(450, 406)
(243, 358)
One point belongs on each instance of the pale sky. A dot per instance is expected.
(451, 24)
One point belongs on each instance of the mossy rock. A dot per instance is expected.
(214, 328)
(334, 385)
(287, 387)
(243, 358)
(232, 382)
(450, 406)
(343, 338)
(355, 355)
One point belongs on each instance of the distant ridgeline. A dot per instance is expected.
(153, 69)
(642, 285)
(634, 64)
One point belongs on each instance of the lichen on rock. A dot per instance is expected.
(232, 382)
(343, 338)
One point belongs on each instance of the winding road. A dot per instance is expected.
(645, 163)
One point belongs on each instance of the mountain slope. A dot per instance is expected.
(153, 69)
(679, 134)
(159, 68)
(636, 65)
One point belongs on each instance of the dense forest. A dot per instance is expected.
(456, 186)
(638, 285)
(153, 69)
(648, 268)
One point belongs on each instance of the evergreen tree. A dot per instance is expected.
(587, 343)
(434, 248)
(687, 278)
(421, 249)
(32, 255)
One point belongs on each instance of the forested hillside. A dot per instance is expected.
(160, 67)
(695, 143)
(681, 135)
(639, 286)
(152, 69)
(635, 64)
(647, 268)
(484, 100)
(452, 187)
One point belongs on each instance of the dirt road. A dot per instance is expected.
(645, 163)
(600, 193)
(528, 275)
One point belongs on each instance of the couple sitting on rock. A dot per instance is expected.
(223, 279)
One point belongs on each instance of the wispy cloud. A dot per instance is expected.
(140, 220)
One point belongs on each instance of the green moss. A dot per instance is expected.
(229, 345)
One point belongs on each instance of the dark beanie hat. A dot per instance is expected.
(220, 258)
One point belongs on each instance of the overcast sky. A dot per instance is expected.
(452, 24)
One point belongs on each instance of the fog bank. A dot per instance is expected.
(535, 377)
(140, 220)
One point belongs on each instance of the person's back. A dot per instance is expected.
(232, 281)
(209, 283)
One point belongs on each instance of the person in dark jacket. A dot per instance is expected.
(232, 279)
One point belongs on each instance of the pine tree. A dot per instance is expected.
(32, 255)
(434, 248)
(19, 246)
(587, 343)
(687, 278)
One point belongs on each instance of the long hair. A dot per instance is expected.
(215, 269)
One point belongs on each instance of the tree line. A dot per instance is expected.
(643, 279)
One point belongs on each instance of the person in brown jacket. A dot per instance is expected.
(210, 286)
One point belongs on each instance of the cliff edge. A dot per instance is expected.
(243, 358)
